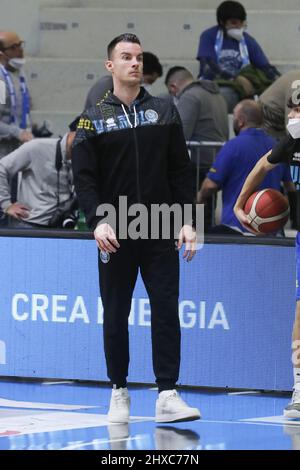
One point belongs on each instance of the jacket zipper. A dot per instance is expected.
(137, 161)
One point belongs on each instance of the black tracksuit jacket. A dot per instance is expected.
(148, 163)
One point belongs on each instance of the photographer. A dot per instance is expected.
(45, 197)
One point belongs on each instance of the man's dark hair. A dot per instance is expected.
(293, 104)
(2, 45)
(126, 37)
(230, 10)
(151, 64)
(171, 72)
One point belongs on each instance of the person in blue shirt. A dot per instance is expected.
(236, 160)
(226, 48)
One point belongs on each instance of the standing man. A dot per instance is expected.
(286, 151)
(15, 124)
(131, 144)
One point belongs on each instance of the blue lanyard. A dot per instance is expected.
(25, 119)
(242, 44)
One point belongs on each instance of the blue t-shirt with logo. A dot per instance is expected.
(234, 163)
(230, 59)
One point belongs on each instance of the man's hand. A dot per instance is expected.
(25, 136)
(18, 211)
(106, 239)
(188, 236)
(243, 219)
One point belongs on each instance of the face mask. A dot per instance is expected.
(293, 128)
(235, 33)
(16, 63)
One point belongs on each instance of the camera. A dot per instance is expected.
(66, 215)
(43, 131)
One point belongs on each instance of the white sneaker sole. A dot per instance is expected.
(190, 415)
(294, 414)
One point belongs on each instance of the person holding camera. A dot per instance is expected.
(45, 197)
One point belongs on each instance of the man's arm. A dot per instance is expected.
(182, 184)
(208, 188)
(11, 130)
(84, 166)
(253, 180)
(180, 174)
(18, 160)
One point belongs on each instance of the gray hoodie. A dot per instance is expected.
(38, 186)
(203, 112)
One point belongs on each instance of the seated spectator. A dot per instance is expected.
(41, 189)
(152, 70)
(230, 55)
(235, 161)
(204, 117)
(274, 103)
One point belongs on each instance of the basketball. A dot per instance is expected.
(268, 211)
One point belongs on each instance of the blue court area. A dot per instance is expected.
(72, 416)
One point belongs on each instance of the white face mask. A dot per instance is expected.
(17, 63)
(293, 128)
(236, 33)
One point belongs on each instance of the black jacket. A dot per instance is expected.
(148, 163)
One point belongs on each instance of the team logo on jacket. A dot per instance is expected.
(105, 257)
(151, 115)
(110, 122)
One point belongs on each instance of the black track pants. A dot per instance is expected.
(158, 262)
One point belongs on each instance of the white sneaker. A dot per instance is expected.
(293, 409)
(119, 406)
(170, 408)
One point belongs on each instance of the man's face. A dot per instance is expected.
(13, 47)
(126, 63)
(172, 88)
(234, 24)
(294, 113)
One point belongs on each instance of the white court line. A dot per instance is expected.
(41, 406)
(60, 382)
(255, 421)
(54, 421)
(97, 442)
(274, 419)
(249, 392)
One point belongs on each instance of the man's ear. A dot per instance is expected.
(109, 66)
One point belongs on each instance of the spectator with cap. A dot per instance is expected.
(229, 54)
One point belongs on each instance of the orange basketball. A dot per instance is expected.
(268, 211)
